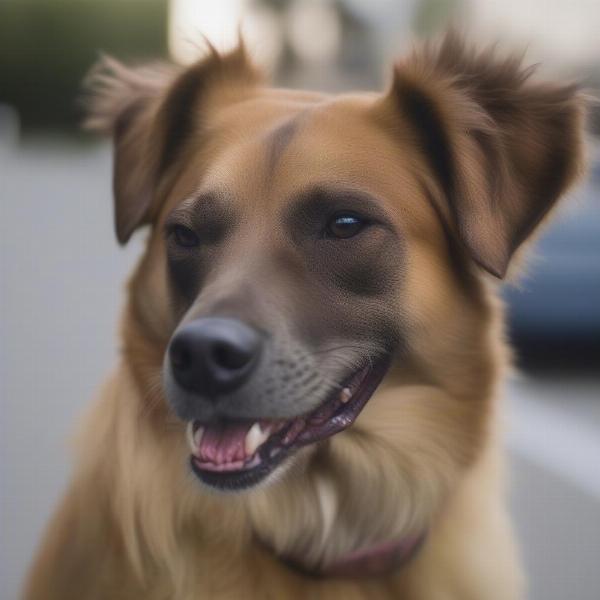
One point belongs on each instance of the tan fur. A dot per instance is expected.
(425, 453)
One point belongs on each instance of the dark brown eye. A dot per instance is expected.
(344, 225)
(185, 237)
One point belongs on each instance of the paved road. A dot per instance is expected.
(60, 275)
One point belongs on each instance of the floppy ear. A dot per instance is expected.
(502, 148)
(151, 112)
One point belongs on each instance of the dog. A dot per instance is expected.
(307, 400)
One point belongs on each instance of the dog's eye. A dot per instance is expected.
(344, 225)
(185, 237)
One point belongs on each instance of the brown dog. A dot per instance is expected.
(316, 306)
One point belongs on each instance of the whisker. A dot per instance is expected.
(342, 347)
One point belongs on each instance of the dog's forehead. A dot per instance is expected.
(279, 139)
(330, 142)
(270, 149)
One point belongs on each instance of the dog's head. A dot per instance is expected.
(306, 248)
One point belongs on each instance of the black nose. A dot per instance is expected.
(214, 355)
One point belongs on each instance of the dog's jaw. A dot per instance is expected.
(234, 456)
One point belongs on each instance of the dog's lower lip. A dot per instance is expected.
(333, 416)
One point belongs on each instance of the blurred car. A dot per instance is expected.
(554, 310)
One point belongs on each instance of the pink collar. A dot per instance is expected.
(376, 560)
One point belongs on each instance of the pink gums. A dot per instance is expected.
(224, 444)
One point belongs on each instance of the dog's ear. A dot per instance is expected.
(502, 148)
(151, 112)
(122, 103)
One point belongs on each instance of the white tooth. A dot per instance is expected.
(254, 438)
(198, 436)
(345, 395)
(189, 433)
(194, 437)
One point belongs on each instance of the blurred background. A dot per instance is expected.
(61, 272)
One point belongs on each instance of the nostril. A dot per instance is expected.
(181, 357)
(230, 356)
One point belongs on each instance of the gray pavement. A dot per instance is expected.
(60, 277)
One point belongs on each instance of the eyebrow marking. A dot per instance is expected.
(201, 208)
(278, 140)
(335, 194)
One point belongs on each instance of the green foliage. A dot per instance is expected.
(46, 47)
(433, 15)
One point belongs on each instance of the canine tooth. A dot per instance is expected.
(345, 395)
(194, 436)
(198, 436)
(189, 434)
(254, 438)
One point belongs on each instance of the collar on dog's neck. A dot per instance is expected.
(379, 559)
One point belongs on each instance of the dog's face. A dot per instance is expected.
(285, 269)
(284, 274)
(307, 248)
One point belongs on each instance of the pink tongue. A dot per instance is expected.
(224, 443)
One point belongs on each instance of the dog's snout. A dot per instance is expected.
(212, 356)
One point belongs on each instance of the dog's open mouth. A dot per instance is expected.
(238, 454)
